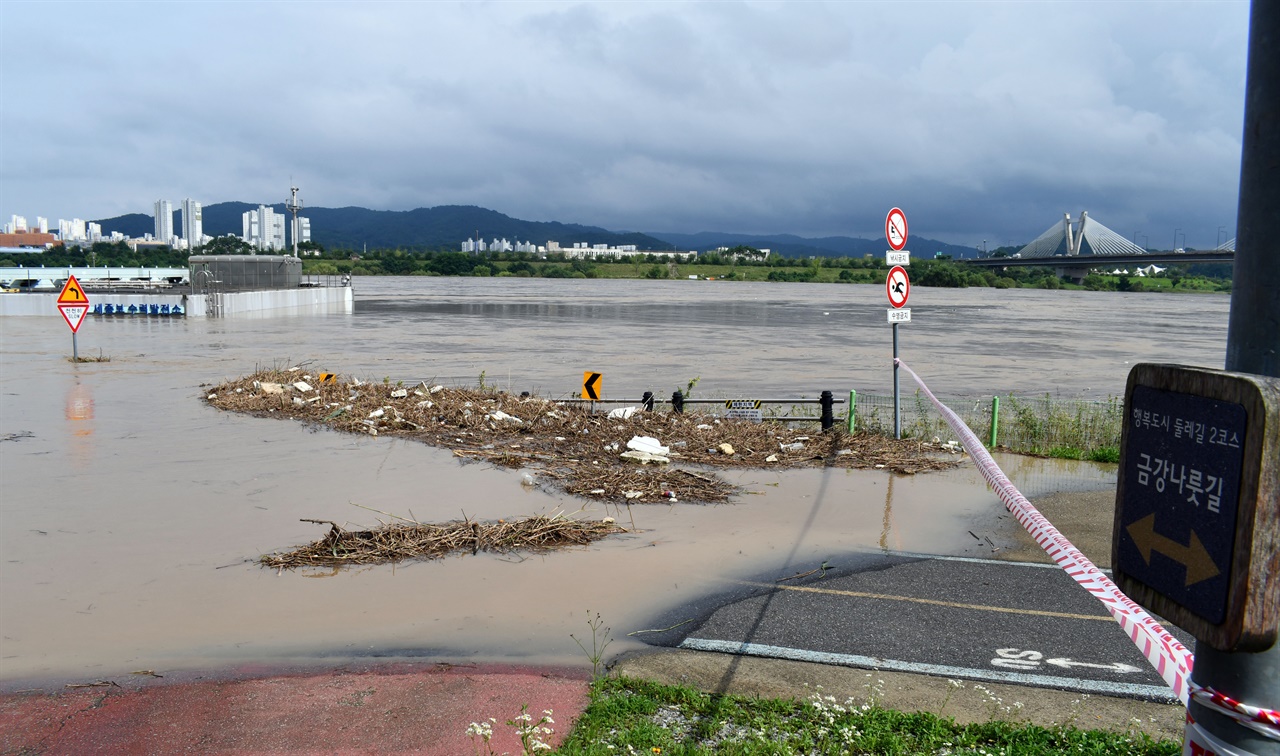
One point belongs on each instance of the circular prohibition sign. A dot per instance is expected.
(898, 286)
(895, 229)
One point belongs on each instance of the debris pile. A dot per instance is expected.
(620, 456)
(398, 542)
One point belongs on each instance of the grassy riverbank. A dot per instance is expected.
(629, 716)
(746, 266)
(924, 272)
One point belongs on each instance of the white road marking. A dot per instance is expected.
(1013, 658)
(1159, 693)
(971, 560)
(1114, 667)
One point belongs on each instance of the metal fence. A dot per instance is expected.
(1034, 425)
(1043, 425)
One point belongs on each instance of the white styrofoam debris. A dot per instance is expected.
(622, 413)
(645, 458)
(647, 444)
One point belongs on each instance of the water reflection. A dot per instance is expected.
(79, 414)
(888, 517)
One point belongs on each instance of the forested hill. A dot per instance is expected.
(446, 227)
(443, 227)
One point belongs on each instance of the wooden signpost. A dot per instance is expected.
(1197, 522)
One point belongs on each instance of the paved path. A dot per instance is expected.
(982, 620)
(394, 709)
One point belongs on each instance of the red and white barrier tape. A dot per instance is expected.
(1171, 660)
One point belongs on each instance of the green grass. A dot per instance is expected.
(1105, 454)
(629, 716)
(1039, 426)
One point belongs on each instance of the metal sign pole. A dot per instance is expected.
(897, 398)
(1252, 348)
(75, 352)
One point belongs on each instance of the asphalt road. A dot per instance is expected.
(999, 621)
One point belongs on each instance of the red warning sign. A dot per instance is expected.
(74, 315)
(895, 229)
(73, 303)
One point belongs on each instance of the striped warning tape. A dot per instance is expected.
(1171, 659)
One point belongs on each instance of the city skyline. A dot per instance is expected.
(982, 120)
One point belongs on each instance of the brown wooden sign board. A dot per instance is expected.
(1197, 521)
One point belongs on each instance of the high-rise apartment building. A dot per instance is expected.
(71, 230)
(301, 229)
(275, 231)
(192, 225)
(164, 221)
(263, 228)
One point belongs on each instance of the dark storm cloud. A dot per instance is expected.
(983, 120)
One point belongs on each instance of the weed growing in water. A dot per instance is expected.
(91, 358)
(1105, 454)
(600, 641)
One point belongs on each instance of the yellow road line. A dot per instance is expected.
(934, 602)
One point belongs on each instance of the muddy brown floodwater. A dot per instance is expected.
(131, 513)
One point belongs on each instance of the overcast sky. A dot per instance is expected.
(981, 120)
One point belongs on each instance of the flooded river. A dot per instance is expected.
(131, 513)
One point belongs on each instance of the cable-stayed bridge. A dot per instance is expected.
(1073, 248)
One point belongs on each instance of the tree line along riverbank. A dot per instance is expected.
(709, 266)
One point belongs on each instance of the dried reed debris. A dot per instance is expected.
(569, 445)
(401, 541)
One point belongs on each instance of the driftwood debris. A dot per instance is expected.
(568, 445)
(401, 541)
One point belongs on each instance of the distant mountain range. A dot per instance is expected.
(448, 225)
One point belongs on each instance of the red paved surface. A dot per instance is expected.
(400, 709)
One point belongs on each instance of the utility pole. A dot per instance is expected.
(1252, 347)
(294, 205)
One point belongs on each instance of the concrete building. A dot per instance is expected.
(263, 229)
(164, 221)
(71, 230)
(192, 224)
(301, 231)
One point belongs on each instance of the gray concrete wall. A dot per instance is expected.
(332, 300)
